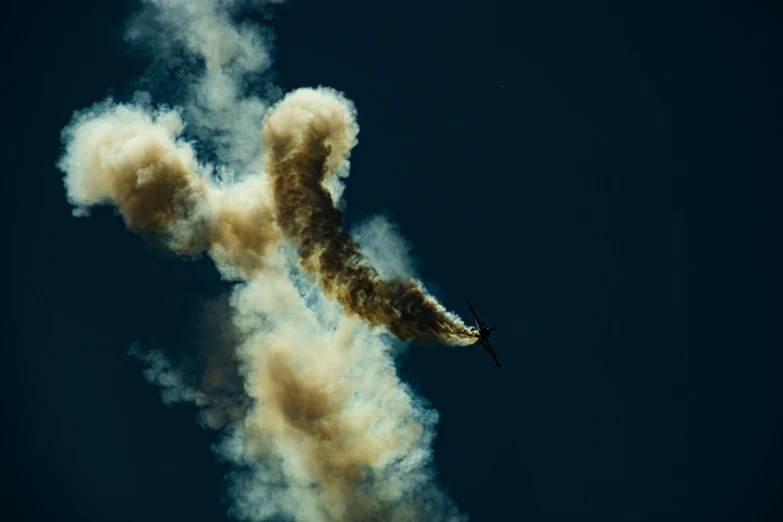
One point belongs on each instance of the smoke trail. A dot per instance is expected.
(131, 158)
(307, 136)
(384, 247)
(216, 60)
(330, 434)
(299, 378)
(210, 378)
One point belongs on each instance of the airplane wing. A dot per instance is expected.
(492, 353)
(478, 324)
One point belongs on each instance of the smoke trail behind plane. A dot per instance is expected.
(307, 136)
(300, 380)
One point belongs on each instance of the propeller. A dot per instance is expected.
(494, 328)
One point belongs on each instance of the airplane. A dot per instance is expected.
(483, 332)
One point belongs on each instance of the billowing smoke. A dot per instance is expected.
(294, 367)
(131, 157)
(308, 136)
(216, 60)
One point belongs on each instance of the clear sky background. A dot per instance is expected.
(601, 179)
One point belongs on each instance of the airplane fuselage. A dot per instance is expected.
(482, 331)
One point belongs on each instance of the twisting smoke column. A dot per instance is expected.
(307, 137)
(294, 369)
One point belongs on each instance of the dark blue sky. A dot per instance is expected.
(600, 179)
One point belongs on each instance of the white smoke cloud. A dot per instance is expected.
(379, 429)
(107, 129)
(220, 60)
(322, 428)
(385, 247)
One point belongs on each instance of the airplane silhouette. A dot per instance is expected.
(483, 332)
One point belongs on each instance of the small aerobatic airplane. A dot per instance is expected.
(483, 332)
